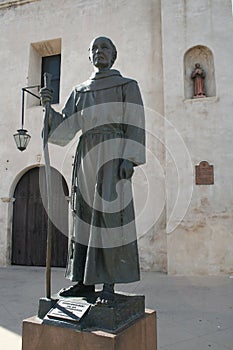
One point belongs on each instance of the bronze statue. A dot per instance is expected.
(108, 109)
(198, 75)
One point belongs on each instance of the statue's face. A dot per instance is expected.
(101, 53)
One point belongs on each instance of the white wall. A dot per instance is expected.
(198, 219)
(202, 243)
(134, 26)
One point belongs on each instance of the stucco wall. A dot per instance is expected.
(135, 28)
(200, 243)
(189, 227)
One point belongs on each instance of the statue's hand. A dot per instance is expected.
(126, 169)
(46, 95)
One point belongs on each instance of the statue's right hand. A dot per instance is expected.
(46, 95)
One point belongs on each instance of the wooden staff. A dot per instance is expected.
(47, 84)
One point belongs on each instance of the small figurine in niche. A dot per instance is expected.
(198, 75)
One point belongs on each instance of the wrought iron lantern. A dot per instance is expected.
(22, 138)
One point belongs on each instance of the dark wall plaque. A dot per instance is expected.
(204, 174)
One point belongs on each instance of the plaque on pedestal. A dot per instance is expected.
(69, 310)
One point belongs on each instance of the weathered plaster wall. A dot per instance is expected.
(202, 242)
(135, 28)
(198, 219)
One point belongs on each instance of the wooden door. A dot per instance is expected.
(29, 231)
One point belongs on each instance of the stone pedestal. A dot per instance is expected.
(141, 334)
(110, 317)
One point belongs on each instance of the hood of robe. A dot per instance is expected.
(103, 80)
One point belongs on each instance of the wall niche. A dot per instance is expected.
(204, 56)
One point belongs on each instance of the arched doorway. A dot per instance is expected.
(29, 231)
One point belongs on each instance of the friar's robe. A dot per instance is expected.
(108, 109)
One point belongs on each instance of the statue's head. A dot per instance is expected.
(102, 53)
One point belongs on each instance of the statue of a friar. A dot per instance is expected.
(108, 109)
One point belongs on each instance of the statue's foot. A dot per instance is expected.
(105, 298)
(77, 290)
(107, 295)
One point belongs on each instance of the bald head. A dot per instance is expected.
(102, 52)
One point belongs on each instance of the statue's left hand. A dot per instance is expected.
(126, 169)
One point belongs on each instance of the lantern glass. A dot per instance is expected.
(22, 139)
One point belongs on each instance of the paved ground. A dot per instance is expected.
(194, 313)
